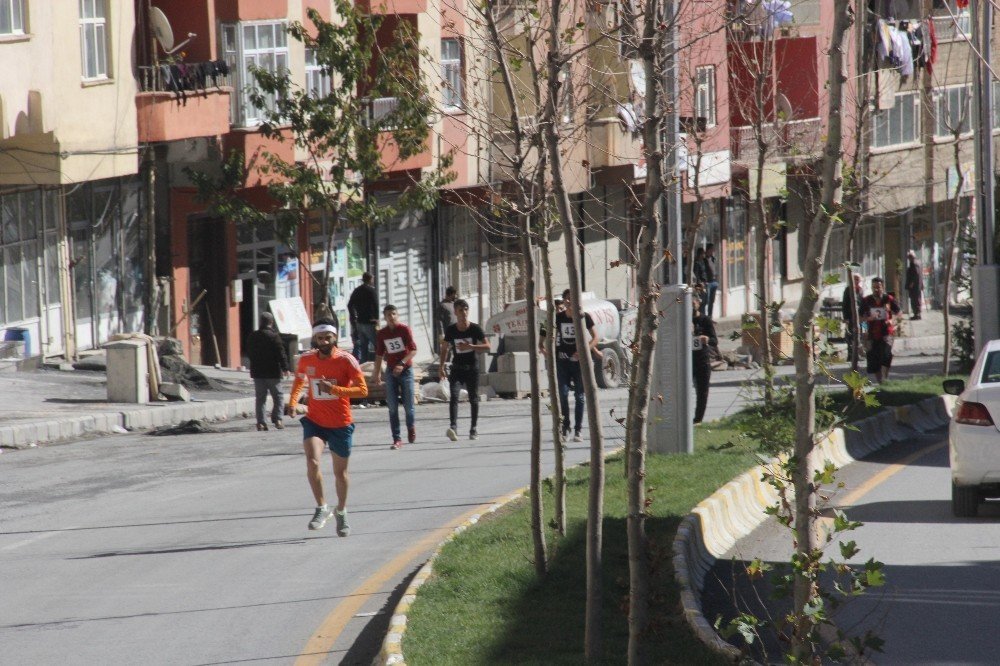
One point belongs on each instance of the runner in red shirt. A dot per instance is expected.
(331, 377)
(395, 344)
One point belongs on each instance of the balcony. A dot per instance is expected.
(182, 102)
(785, 140)
(389, 7)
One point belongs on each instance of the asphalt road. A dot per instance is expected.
(193, 549)
(941, 601)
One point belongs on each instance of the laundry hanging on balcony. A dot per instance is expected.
(905, 46)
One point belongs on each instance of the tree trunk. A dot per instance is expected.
(855, 331)
(595, 505)
(763, 284)
(642, 368)
(558, 445)
(537, 522)
(806, 541)
(956, 226)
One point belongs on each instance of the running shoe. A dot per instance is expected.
(565, 433)
(473, 434)
(343, 528)
(411, 434)
(396, 444)
(452, 435)
(261, 427)
(279, 425)
(577, 437)
(319, 519)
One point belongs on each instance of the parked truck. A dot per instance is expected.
(614, 322)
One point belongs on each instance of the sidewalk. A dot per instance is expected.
(49, 405)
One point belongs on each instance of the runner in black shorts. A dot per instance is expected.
(463, 339)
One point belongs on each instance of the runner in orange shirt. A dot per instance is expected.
(332, 377)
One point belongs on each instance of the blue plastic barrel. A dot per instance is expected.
(19, 335)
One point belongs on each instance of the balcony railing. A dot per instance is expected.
(948, 29)
(376, 109)
(796, 138)
(182, 78)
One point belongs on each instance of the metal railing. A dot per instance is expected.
(187, 77)
(376, 109)
(796, 138)
(948, 29)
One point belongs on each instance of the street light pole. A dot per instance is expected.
(669, 422)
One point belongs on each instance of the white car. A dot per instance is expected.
(973, 435)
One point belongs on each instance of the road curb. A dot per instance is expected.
(712, 527)
(392, 645)
(26, 435)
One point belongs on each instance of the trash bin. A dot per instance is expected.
(128, 371)
(19, 335)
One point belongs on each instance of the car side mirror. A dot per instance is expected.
(953, 386)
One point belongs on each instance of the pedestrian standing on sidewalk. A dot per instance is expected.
(331, 377)
(395, 345)
(914, 284)
(568, 373)
(849, 312)
(445, 312)
(362, 309)
(711, 279)
(463, 338)
(700, 269)
(703, 339)
(268, 366)
(877, 310)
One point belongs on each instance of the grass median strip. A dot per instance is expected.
(485, 605)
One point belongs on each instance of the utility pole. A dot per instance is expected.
(669, 423)
(986, 275)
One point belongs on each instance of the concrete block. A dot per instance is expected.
(514, 362)
(173, 391)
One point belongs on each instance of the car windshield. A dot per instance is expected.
(991, 369)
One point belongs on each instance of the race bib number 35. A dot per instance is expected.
(395, 345)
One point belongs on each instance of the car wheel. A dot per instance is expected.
(964, 501)
(608, 369)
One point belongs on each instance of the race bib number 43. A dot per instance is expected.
(568, 331)
(395, 345)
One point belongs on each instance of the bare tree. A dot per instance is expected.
(806, 542)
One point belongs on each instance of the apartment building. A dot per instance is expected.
(73, 262)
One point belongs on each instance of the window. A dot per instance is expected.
(451, 73)
(317, 80)
(94, 39)
(996, 105)
(952, 110)
(704, 95)
(11, 17)
(248, 45)
(900, 124)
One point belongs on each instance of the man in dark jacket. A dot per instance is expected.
(850, 313)
(268, 365)
(914, 284)
(362, 309)
(703, 338)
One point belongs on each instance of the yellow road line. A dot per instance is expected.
(321, 642)
(889, 471)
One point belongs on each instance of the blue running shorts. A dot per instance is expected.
(338, 440)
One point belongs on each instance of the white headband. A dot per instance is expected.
(324, 328)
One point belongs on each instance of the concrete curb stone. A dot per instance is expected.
(699, 542)
(23, 435)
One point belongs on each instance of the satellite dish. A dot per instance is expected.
(161, 28)
(784, 108)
